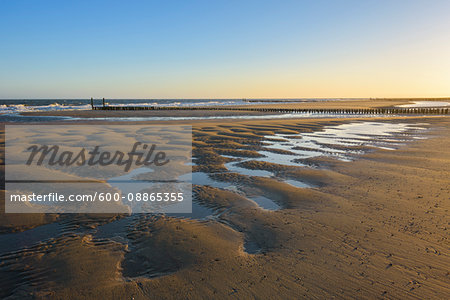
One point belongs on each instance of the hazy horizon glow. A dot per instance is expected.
(224, 49)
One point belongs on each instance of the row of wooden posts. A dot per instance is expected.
(351, 111)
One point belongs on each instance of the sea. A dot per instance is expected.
(11, 109)
(17, 106)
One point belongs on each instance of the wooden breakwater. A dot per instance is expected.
(337, 111)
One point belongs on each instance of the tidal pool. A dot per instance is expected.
(333, 140)
(343, 142)
(265, 202)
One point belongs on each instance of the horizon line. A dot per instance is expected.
(238, 98)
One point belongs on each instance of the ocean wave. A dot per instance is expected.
(180, 103)
(17, 108)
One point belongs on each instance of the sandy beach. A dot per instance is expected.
(224, 150)
(370, 227)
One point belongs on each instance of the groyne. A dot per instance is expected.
(349, 111)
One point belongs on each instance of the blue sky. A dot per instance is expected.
(224, 49)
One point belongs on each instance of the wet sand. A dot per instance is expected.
(369, 228)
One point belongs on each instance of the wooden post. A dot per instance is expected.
(103, 102)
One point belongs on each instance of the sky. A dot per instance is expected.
(224, 49)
